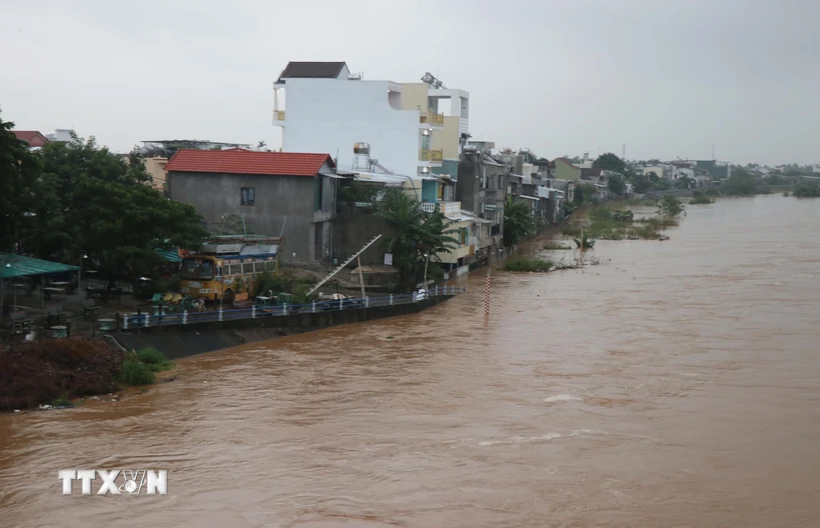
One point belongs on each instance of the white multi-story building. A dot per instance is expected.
(410, 128)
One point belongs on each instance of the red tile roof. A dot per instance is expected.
(241, 161)
(32, 137)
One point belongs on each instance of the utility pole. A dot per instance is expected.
(487, 291)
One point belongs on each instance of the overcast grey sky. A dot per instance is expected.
(667, 77)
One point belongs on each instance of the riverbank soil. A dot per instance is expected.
(45, 370)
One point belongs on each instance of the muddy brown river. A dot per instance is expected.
(673, 385)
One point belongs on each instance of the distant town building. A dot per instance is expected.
(62, 135)
(32, 137)
(566, 170)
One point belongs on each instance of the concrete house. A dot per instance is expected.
(32, 137)
(482, 189)
(274, 192)
(322, 107)
(566, 170)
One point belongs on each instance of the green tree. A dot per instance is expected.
(610, 161)
(19, 170)
(641, 184)
(740, 182)
(617, 185)
(120, 226)
(518, 221)
(584, 193)
(92, 202)
(684, 182)
(415, 234)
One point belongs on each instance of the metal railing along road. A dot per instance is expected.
(131, 321)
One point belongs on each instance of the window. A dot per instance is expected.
(248, 196)
(247, 267)
(500, 182)
(197, 269)
(270, 265)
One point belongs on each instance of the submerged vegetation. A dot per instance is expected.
(584, 242)
(699, 197)
(518, 263)
(606, 223)
(555, 246)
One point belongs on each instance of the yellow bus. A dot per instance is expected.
(227, 266)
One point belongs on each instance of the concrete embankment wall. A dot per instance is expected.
(180, 341)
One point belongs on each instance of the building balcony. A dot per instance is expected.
(279, 117)
(431, 118)
(448, 208)
(431, 155)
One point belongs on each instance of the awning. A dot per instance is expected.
(528, 197)
(334, 176)
(12, 266)
(171, 255)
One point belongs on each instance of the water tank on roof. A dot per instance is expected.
(361, 148)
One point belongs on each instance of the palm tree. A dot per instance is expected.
(415, 234)
(518, 222)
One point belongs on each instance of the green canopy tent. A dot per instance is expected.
(18, 267)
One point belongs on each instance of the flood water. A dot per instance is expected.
(673, 385)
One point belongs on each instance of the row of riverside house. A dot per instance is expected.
(342, 134)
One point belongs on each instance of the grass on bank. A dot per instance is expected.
(527, 264)
(140, 368)
(61, 401)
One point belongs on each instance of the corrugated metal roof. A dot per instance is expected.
(171, 255)
(240, 161)
(12, 266)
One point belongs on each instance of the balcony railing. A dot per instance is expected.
(431, 155)
(278, 115)
(452, 208)
(431, 118)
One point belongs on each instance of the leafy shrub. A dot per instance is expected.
(135, 372)
(586, 242)
(61, 401)
(623, 216)
(699, 197)
(154, 359)
(670, 206)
